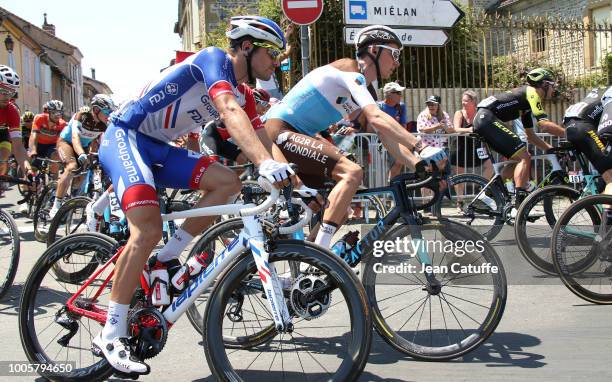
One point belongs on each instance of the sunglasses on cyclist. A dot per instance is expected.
(262, 102)
(106, 112)
(273, 51)
(395, 52)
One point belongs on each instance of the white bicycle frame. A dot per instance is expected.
(550, 158)
(250, 237)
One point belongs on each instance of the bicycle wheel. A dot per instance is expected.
(332, 349)
(51, 335)
(535, 220)
(582, 249)
(41, 212)
(9, 251)
(416, 320)
(215, 240)
(485, 214)
(70, 219)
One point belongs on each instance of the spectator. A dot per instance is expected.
(465, 156)
(393, 106)
(432, 122)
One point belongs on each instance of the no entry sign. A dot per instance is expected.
(303, 12)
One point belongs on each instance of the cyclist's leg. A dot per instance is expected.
(322, 159)
(585, 138)
(507, 143)
(124, 158)
(184, 169)
(66, 155)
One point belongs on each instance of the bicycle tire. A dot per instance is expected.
(571, 274)
(41, 211)
(488, 225)
(13, 237)
(412, 343)
(32, 305)
(293, 251)
(62, 214)
(540, 257)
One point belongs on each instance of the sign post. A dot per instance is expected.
(304, 13)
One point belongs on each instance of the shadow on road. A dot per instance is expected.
(500, 350)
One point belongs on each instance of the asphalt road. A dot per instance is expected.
(546, 334)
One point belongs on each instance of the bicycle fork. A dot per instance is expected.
(267, 273)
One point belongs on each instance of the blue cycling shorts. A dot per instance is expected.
(136, 163)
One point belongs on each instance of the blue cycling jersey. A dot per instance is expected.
(322, 98)
(179, 100)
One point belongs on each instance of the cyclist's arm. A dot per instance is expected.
(19, 151)
(239, 127)
(544, 124)
(535, 140)
(76, 142)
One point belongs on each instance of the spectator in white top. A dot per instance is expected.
(433, 121)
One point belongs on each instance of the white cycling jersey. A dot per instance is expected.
(325, 96)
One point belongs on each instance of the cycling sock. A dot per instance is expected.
(100, 205)
(58, 203)
(173, 248)
(325, 234)
(116, 321)
(521, 194)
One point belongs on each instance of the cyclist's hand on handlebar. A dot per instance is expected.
(83, 160)
(311, 197)
(278, 173)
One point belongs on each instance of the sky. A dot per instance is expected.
(126, 41)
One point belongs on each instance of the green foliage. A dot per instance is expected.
(217, 37)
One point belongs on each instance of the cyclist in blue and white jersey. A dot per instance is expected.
(328, 94)
(136, 154)
(74, 140)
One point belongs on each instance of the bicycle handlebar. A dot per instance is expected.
(269, 202)
(299, 224)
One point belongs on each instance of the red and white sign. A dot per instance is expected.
(303, 12)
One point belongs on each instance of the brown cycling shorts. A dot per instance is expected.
(316, 158)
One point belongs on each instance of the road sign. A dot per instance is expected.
(303, 12)
(409, 13)
(409, 37)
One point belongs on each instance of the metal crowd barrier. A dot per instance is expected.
(373, 157)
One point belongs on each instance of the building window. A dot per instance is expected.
(602, 43)
(539, 40)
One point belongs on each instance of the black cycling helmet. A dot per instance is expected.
(539, 75)
(104, 102)
(372, 35)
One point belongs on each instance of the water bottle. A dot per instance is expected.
(192, 267)
(159, 285)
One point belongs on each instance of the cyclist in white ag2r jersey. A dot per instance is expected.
(333, 92)
(136, 154)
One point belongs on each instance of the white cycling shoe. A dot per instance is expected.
(117, 353)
